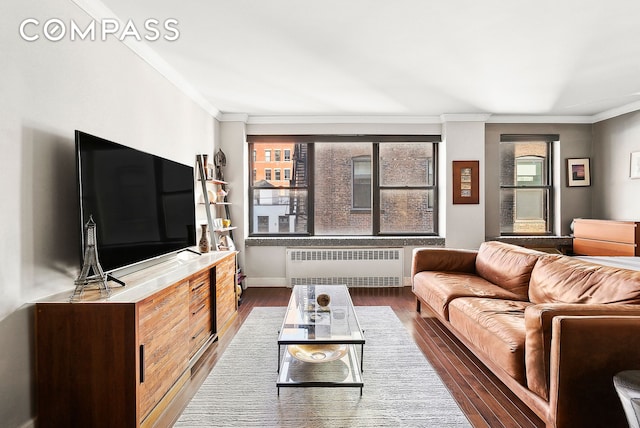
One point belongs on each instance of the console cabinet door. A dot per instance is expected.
(226, 302)
(163, 343)
(200, 309)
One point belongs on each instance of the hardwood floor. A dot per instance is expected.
(481, 396)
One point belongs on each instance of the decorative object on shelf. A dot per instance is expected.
(206, 168)
(323, 300)
(634, 169)
(318, 353)
(221, 194)
(578, 172)
(219, 160)
(90, 263)
(466, 188)
(204, 243)
(226, 222)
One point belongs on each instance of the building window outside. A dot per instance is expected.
(278, 174)
(526, 186)
(361, 179)
(267, 155)
(357, 186)
(255, 155)
(276, 153)
(287, 155)
(263, 224)
(283, 224)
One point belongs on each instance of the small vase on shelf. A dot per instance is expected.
(204, 243)
(205, 167)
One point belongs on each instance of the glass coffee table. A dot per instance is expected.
(320, 342)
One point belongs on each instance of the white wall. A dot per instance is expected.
(49, 89)
(462, 225)
(615, 194)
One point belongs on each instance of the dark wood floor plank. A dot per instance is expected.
(485, 400)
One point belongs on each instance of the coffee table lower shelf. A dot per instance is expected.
(341, 373)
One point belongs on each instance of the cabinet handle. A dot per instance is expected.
(198, 310)
(142, 363)
(197, 287)
(197, 334)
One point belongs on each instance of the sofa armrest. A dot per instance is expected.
(538, 325)
(586, 352)
(444, 260)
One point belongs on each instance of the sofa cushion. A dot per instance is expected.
(495, 328)
(569, 280)
(438, 289)
(508, 266)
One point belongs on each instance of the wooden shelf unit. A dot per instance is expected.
(606, 237)
(120, 361)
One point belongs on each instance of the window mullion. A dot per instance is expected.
(375, 191)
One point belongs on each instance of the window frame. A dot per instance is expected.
(375, 140)
(548, 139)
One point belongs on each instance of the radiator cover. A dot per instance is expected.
(354, 267)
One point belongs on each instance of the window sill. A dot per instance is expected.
(560, 243)
(345, 241)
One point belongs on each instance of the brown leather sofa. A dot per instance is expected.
(553, 328)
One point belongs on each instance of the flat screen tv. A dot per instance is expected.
(143, 205)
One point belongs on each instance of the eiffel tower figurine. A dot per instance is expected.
(91, 262)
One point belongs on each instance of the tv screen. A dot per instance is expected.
(143, 205)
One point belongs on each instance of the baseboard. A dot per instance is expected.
(265, 282)
(282, 282)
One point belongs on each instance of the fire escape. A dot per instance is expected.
(299, 182)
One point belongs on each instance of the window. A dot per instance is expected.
(526, 188)
(346, 186)
(267, 155)
(276, 152)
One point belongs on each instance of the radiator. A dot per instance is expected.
(355, 267)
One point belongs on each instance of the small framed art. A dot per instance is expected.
(466, 182)
(578, 172)
(634, 171)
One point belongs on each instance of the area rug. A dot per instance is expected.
(401, 389)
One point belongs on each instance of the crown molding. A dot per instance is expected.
(307, 120)
(464, 117)
(539, 119)
(99, 11)
(618, 111)
(234, 117)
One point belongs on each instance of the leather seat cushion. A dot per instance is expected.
(495, 328)
(568, 280)
(438, 289)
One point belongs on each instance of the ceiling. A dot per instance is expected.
(401, 57)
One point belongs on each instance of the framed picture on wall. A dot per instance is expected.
(634, 171)
(466, 186)
(578, 172)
